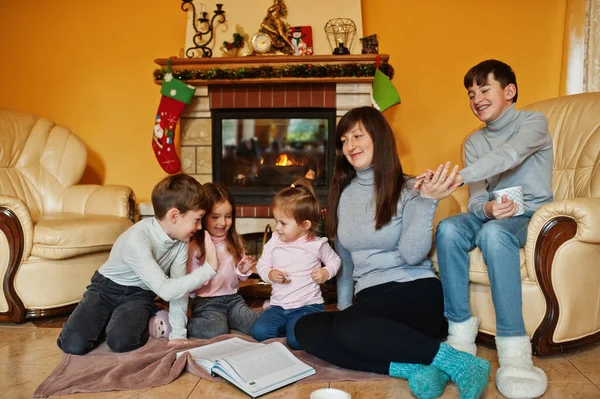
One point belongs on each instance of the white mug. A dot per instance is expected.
(512, 193)
(330, 393)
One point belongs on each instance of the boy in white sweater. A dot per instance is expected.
(148, 259)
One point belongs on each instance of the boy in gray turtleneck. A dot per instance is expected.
(513, 149)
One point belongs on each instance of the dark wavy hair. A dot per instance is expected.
(387, 170)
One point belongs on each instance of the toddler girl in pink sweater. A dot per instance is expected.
(292, 262)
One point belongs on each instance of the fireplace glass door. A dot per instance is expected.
(258, 152)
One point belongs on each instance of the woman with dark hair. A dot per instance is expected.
(383, 233)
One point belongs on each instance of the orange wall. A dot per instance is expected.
(432, 45)
(88, 66)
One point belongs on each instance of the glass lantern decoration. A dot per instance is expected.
(341, 33)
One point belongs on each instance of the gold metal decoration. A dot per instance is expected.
(340, 34)
(261, 43)
(277, 29)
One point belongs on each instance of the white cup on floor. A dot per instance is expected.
(330, 393)
(512, 193)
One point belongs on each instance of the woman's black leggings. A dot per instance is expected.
(391, 322)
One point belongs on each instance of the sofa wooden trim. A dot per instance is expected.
(554, 234)
(11, 227)
(51, 312)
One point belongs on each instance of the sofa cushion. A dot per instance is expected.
(61, 236)
(478, 270)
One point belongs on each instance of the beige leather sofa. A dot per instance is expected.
(560, 264)
(54, 233)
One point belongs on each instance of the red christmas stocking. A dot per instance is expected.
(175, 96)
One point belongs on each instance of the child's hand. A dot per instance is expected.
(441, 184)
(246, 264)
(210, 252)
(194, 259)
(504, 210)
(422, 177)
(179, 341)
(279, 277)
(320, 275)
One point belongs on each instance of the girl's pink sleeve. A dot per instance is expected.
(265, 263)
(329, 258)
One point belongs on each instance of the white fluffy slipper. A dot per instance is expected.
(461, 336)
(517, 377)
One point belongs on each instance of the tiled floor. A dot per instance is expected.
(28, 354)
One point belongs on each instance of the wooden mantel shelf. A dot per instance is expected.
(272, 60)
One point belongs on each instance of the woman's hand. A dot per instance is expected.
(279, 277)
(441, 184)
(179, 341)
(320, 275)
(210, 252)
(246, 264)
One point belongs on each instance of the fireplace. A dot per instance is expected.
(257, 152)
(222, 94)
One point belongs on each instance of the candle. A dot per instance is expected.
(202, 7)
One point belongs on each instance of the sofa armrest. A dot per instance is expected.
(16, 234)
(16, 220)
(557, 222)
(562, 241)
(100, 200)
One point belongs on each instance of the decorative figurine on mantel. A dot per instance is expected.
(232, 49)
(370, 44)
(272, 37)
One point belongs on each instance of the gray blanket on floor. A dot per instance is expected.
(154, 365)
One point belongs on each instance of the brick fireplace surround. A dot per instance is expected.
(342, 94)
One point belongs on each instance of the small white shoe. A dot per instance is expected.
(461, 336)
(517, 377)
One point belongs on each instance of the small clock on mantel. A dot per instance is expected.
(261, 43)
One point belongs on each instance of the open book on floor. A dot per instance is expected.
(255, 368)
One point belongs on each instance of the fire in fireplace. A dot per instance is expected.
(257, 152)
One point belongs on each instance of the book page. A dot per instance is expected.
(264, 368)
(206, 355)
(257, 363)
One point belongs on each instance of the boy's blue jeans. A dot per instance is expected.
(499, 242)
(279, 322)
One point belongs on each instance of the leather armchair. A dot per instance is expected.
(560, 264)
(54, 233)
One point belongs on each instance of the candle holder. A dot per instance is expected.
(340, 34)
(202, 23)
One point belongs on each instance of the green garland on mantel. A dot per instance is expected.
(344, 70)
